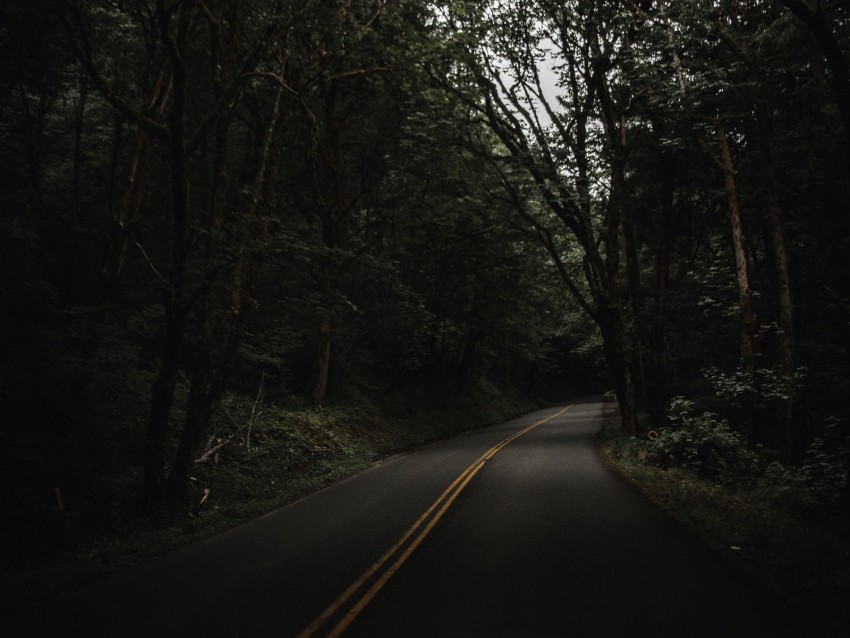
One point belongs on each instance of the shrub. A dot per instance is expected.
(704, 444)
(820, 484)
(825, 473)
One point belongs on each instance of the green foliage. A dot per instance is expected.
(383, 168)
(765, 384)
(826, 470)
(803, 553)
(819, 485)
(704, 444)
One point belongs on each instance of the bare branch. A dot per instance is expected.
(84, 53)
(148, 260)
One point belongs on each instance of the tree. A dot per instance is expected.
(176, 96)
(350, 199)
(579, 174)
(818, 22)
(335, 36)
(786, 355)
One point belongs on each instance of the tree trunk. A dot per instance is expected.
(209, 380)
(322, 361)
(467, 356)
(745, 303)
(124, 212)
(162, 399)
(162, 391)
(613, 326)
(79, 120)
(746, 310)
(199, 405)
(620, 366)
(332, 202)
(785, 436)
(656, 381)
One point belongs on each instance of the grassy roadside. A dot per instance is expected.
(257, 461)
(801, 551)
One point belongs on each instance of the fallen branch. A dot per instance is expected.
(213, 450)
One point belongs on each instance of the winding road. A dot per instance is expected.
(516, 530)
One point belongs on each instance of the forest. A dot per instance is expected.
(227, 224)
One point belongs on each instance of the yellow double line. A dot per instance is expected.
(422, 527)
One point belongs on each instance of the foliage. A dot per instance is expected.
(766, 384)
(704, 444)
(819, 485)
(800, 550)
(439, 200)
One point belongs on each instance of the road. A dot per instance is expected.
(516, 530)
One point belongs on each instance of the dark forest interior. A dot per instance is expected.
(261, 243)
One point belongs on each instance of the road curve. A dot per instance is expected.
(515, 531)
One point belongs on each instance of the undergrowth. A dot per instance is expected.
(788, 524)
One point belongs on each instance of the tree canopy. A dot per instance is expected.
(395, 196)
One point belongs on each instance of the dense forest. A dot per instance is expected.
(208, 204)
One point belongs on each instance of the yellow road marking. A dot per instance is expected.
(444, 501)
(357, 584)
(389, 573)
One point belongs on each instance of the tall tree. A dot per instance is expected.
(561, 151)
(786, 355)
(336, 34)
(815, 17)
(176, 97)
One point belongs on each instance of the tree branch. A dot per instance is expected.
(84, 53)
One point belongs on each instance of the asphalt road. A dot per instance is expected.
(515, 531)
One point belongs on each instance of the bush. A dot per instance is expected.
(704, 444)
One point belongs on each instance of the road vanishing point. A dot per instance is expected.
(518, 530)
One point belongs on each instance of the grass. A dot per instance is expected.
(258, 460)
(803, 551)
